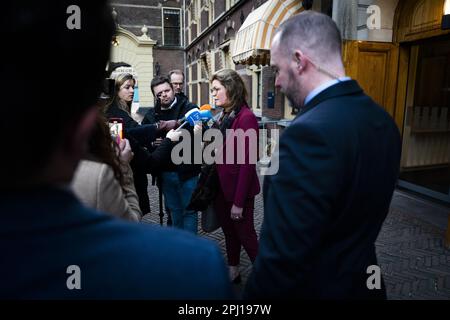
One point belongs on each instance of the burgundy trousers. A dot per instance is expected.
(237, 233)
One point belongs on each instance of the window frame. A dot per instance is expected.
(180, 44)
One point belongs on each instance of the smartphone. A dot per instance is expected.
(116, 128)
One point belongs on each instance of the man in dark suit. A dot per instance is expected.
(338, 167)
(52, 247)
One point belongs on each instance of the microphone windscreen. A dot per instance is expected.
(205, 107)
(206, 115)
(192, 116)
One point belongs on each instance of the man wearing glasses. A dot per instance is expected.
(177, 80)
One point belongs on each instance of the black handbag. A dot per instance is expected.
(208, 182)
(209, 220)
(206, 190)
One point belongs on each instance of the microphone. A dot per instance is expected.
(182, 120)
(214, 117)
(206, 107)
(191, 117)
(203, 107)
(205, 115)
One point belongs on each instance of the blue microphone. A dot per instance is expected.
(192, 116)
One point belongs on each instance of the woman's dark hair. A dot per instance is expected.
(159, 80)
(102, 147)
(232, 81)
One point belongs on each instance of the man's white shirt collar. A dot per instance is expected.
(323, 87)
(174, 102)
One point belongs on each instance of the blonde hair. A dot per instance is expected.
(120, 79)
(234, 86)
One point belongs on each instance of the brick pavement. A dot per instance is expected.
(410, 247)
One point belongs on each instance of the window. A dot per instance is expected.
(211, 11)
(230, 3)
(171, 27)
(227, 60)
(193, 11)
(258, 101)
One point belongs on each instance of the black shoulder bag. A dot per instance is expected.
(208, 183)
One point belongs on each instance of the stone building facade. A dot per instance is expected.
(150, 39)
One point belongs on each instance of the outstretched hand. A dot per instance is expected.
(174, 135)
(168, 125)
(198, 128)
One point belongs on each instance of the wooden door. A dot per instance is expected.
(374, 65)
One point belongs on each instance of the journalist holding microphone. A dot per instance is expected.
(177, 181)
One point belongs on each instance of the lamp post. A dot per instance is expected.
(446, 16)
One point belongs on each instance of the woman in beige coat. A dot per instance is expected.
(104, 180)
(97, 187)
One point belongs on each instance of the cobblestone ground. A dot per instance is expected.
(410, 247)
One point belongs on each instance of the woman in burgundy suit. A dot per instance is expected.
(239, 183)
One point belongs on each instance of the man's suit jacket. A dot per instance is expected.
(240, 181)
(45, 231)
(96, 186)
(339, 163)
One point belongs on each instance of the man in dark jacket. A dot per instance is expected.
(177, 181)
(338, 166)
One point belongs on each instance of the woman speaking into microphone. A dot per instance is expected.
(239, 184)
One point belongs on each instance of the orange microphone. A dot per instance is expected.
(205, 107)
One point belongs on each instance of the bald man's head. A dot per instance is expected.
(316, 34)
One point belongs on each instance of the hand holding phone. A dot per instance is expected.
(126, 155)
(116, 128)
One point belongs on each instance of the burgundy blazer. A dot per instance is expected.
(240, 181)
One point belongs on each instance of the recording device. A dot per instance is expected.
(207, 118)
(207, 114)
(191, 117)
(195, 115)
(203, 107)
(116, 128)
(206, 107)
